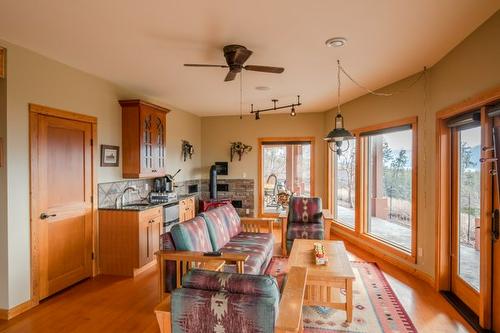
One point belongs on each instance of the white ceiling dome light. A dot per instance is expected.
(336, 42)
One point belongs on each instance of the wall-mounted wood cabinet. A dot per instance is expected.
(187, 209)
(143, 139)
(128, 240)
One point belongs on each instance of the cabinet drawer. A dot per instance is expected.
(151, 213)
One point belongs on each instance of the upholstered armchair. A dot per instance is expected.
(233, 303)
(307, 220)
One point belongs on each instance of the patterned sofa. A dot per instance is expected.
(233, 303)
(245, 248)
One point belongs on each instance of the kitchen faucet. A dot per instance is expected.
(119, 200)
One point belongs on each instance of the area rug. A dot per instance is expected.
(376, 307)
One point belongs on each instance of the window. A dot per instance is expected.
(389, 181)
(344, 191)
(376, 200)
(286, 166)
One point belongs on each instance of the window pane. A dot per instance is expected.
(344, 184)
(469, 204)
(390, 187)
(286, 168)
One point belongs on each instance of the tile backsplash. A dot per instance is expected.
(109, 192)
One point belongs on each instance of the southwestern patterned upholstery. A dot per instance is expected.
(192, 235)
(220, 229)
(305, 220)
(226, 302)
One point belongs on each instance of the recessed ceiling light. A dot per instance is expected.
(336, 42)
(262, 88)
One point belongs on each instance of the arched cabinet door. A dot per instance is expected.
(143, 139)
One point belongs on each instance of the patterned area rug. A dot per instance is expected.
(376, 307)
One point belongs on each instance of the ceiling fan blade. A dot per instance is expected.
(267, 69)
(231, 75)
(203, 65)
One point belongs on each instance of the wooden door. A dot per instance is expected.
(62, 180)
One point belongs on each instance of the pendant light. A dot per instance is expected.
(339, 134)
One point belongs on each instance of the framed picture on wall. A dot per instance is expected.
(110, 156)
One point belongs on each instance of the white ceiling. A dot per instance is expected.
(142, 45)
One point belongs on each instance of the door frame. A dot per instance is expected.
(443, 200)
(34, 111)
(310, 139)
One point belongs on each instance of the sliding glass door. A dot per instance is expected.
(285, 167)
(466, 214)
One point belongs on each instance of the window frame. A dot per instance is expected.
(361, 187)
(260, 180)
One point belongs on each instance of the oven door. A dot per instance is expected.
(170, 216)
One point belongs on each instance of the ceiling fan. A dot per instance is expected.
(236, 55)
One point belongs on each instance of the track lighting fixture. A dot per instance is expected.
(274, 108)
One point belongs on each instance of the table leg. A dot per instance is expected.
(349, 300)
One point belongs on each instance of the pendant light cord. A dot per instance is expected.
(338, 86)
(368, 90)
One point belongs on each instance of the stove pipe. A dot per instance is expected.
(213, 182)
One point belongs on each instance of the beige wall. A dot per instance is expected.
(35, 79)
(219, 132)
(470, 68)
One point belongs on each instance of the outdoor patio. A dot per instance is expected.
(401, 236)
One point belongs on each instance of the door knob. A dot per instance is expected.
(44, 216)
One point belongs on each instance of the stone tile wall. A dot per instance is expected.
(239, 189)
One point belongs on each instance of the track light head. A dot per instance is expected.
(257, 116)
(292, 112)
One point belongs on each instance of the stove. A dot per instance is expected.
(170, 208)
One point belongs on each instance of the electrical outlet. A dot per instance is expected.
(244, 175)
(420, 252)
(247, 211)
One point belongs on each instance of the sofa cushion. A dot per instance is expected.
(305, 230)
(201, 311)
(258, 246)
(222, 222)
(306, 210)
(257, 285)
(192, 235)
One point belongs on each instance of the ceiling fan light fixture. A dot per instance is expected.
(336, 42)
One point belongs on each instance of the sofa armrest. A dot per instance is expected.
(290, 308)
(185, 260)
(254, 224)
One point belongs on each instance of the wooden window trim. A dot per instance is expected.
(443, 200)
(2, 62)
(261, 142)
(361, 188)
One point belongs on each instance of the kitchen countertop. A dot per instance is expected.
(141, 206)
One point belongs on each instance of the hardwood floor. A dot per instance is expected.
(115, 304)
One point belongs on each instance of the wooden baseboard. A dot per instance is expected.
(391, 260)
(138, 271)
(17, 310)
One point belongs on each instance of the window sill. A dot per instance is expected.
(377, 242)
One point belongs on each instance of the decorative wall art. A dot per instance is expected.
(187, 150)
(240, 149)
(110, 156)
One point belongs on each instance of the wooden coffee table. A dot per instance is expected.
(324, 281)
